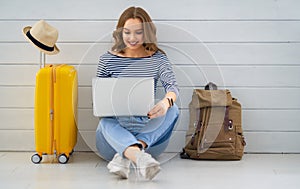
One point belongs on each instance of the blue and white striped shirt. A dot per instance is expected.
(156, 66)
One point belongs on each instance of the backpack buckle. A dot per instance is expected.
(230, 125)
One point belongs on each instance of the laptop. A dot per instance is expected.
(125, 96)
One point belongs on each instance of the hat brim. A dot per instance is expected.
(55, 50)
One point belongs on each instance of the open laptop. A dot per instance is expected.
(125, 96)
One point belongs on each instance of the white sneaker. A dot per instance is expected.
(119, 166)
(147, 166)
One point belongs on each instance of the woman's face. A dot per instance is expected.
(133, 34)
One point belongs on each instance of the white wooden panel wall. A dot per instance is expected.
(250, 47)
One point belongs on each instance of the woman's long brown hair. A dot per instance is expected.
(150, 41)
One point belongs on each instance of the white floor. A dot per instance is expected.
(88, 171)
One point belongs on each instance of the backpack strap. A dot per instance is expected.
(197, 125)
(227, 124)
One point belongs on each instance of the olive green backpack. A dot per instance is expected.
(215, 127)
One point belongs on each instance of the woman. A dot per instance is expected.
(136, 140)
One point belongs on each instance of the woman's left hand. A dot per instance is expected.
(159, 109)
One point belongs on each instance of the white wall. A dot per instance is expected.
(250, 47)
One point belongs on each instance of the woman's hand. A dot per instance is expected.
(159, 109)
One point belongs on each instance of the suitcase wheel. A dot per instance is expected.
(63, 159)
(36, 158)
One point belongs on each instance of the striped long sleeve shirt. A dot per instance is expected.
(156, 66)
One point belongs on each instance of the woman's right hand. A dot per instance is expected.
(159, 109)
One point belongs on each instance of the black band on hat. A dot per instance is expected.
(39, 44)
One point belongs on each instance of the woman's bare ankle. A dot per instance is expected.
(131, 151)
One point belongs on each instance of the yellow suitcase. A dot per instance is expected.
(55, 112)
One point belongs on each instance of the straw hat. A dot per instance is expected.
(43, 36)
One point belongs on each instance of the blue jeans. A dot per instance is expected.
(115, 134)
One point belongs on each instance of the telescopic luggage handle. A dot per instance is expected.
(42, 59)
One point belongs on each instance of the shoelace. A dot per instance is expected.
(137, 173)
(136, 169)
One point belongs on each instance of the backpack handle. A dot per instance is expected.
(211, 86)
